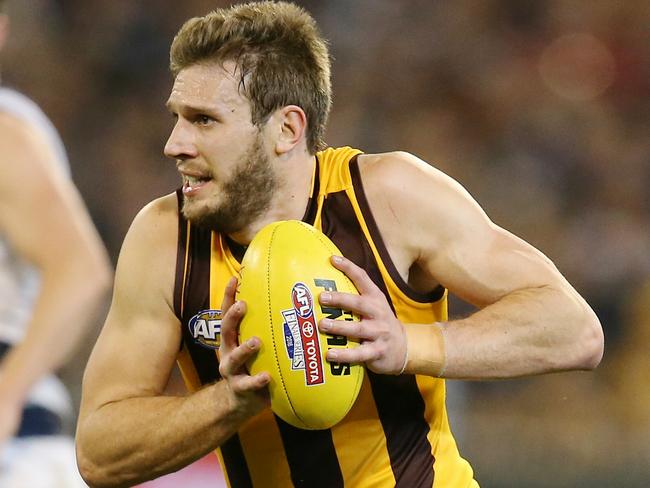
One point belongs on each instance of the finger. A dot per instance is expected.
(347, 328)
(235, 361)
(230, 325)
(358, 275)
(251, 383)
(229, 294)
(348, 301)
(361, 354)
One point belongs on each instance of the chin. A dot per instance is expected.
(195, 211)
(209, 218)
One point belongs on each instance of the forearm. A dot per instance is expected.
(530, 331)
(137, 439)
(62, 313)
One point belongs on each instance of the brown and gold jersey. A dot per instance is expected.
(396, 434)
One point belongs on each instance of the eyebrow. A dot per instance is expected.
(194, 108)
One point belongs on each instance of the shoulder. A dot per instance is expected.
(402, 171)
(427, 205)
(14, 130)
(153, 234)
(156, 222)
(30, 174)
(148, 256)
(415, 181)
(26, 148)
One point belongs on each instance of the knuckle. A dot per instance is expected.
(369, 354)
(223, 371)
(361, 329)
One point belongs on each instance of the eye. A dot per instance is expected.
(203, 119)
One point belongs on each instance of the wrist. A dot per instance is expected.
(232, 406)
(425, 349)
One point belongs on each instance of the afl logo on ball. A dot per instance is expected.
(302, 300)
(301, 335)
(205, 328)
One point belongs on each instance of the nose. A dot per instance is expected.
(181, 143)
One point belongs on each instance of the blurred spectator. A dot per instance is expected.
(54, 272)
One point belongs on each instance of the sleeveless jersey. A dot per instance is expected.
(19, 280)
(397, 433)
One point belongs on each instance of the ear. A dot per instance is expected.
(4, 29)
(292, 124)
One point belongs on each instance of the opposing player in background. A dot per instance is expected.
(53, 273)
(251, 99)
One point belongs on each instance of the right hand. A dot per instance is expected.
(249, 394)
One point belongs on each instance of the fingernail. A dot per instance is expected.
(332, 354)
(252, 342)
(337, 259)
(325, 297)
(325, 324)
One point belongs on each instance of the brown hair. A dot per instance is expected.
(281, 55)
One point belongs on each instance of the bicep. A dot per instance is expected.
(459, 246)
(136, 350)
(482, 263)
(133, 357)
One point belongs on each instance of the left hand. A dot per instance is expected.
(382, 336)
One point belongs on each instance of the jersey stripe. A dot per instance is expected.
(434, 295)
(196, 298)
(399, 403)
(311, 456)
(234, 462)
(181, 258)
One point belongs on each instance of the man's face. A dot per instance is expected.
(228, 179)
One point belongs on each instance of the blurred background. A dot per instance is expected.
(538, 107)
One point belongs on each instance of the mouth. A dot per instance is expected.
(194, 181)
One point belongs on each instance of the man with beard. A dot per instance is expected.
(250, 100)
(54, 272)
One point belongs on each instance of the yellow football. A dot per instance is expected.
(284, 270)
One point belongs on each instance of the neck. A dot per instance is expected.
(295, 176)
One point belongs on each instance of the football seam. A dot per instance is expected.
(271, 318)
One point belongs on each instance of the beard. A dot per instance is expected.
(243, 197)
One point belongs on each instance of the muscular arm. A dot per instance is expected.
(128, 430)
(46, 223)
(530, 320)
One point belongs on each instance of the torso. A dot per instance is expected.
(397, 432)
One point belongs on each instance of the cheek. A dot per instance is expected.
(220, 157)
